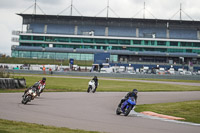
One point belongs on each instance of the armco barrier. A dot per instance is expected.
(91, 74)
(10, 83)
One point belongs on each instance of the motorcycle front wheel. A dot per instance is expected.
(118, 112)
(89, 89)
(26, 99)
(127, 110)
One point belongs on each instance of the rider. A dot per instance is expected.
(96, 82)
(130, 94)
(40, 85)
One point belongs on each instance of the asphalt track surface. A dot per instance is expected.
(93, 112)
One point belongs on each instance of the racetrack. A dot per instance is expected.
(93, 112)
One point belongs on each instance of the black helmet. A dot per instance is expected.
(95, 77)
(43, 79)
(135, 91)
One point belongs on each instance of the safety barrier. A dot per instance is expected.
(11, 83)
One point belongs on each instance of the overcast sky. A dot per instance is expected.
(160, 9)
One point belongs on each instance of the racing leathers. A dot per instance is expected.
(40, 86)
(130, 94)
(96, 82)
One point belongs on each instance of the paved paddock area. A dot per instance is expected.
(93, 112)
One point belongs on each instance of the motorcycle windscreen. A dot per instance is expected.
(131, 101)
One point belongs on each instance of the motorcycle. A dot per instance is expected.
(91, 86)
(126, 106)
(29, 95)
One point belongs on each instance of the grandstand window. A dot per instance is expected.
(74, 56)
(173, 43)
(25, 37)
(113, 57)
(138, 42)
(186, 44)
(86, 56)
(49, 39)
(98, 47)
(196, 51)
(61, 56)
(112, 41)
(100, 40)
(24, 44)
(38, 38)
(149, 49)
(124, 42)
(15, 53)
(37, 45)
(161, 49)
(135, 49)
(49, 55)
(36, 55)
(58, 45)
(131, 49)
(196, 44)
(105, 47)
(175, 50)
(62, 39)
(24, 54)
(87, 40)
(88, 47)
(76, 40)
(45, 45)
(152, 42)
(116, 48)
(161, 43)
(189, 50)
(146, 42)
(77, 46)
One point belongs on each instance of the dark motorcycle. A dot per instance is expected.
(126, 106)
(29, 95)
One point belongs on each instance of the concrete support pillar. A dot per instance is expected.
(198, 34)
(75, 30)
(137, 32)
(167, 33)
(45, 28)
(106, 31)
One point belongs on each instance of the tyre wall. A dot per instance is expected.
(10, 83)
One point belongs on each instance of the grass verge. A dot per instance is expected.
(189, 110)
(62, 84)
(167, 80)
(7, 126)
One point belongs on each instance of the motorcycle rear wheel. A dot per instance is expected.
(118, 112)
(89, 89)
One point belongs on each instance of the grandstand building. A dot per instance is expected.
(125, 39)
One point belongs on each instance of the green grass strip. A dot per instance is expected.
(62, 84)
(189, 110)
(7, 126)
(167, 80)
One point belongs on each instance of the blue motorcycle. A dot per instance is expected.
(126, 106)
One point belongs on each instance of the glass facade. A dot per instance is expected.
(52, 55)
(90, 42)
(106, 44)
